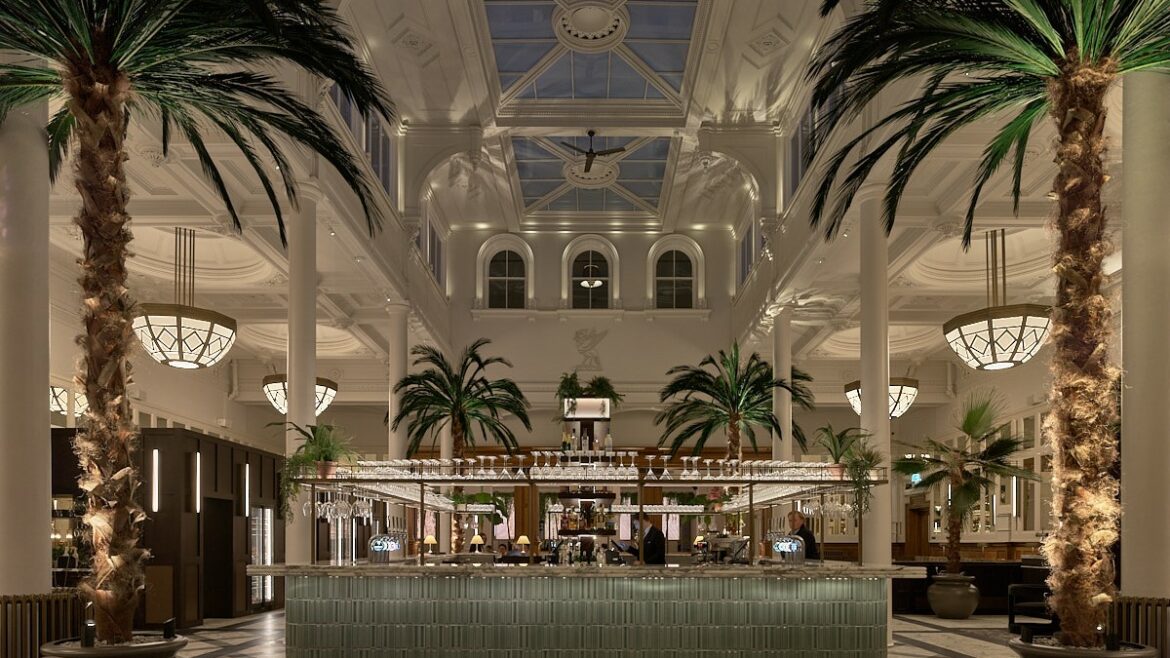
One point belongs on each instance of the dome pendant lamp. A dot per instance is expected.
(182, 335)
(1000, 336)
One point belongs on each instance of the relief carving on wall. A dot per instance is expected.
(587, 341)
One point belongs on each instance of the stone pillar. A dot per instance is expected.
(446, 448)
(25, 456)
(302, 346)
(1145, 454)
(782, 446)
(398, 357)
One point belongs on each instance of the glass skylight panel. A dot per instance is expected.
(658, 21)
(655, 149)
(557, 80)
(520, 20)
(590, 200)
(590, 75)
(535, 189)
(529, 149)
(547, 169)
(519, 57)
(624, 81)
(644, 189)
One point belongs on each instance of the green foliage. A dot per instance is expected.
(322, 443)
(859, 461)
(570, 388)
(840, 444)
(723, 393)
(463, 397)
(602, 387)
(199, 68)
(501, 502)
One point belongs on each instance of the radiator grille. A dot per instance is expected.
(27, 622)
(1143, 621)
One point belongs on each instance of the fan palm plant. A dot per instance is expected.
(1022, 62)
(982, 454)
(462, 397)
(732, 396)
(184, 66)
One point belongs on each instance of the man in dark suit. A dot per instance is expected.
(653, 543)
(796, 523)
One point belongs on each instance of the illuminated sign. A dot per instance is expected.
(381, 546)
(788, 545)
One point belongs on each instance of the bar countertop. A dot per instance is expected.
(814, 570)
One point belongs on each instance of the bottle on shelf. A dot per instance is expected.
(565, 445)
(573, 440)
(608, 442)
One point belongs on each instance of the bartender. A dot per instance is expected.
(653, 543)
(796, 524)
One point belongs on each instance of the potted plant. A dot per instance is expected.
(462, 397)
(859, 462)
(722, 394)
(104, 66)
(1023, 64)
(570, 389)
(969, 468)
(839, 445)
(323, 448)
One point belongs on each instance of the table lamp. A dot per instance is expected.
(432, 542)
(477, 543)
(524, 543)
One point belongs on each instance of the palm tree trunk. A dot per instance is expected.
(108, 437)
(457, 449)
(954, 534)
(733, 438)
(1079, 426)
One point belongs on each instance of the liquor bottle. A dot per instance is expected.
(565, 445)
(608, 442)
(573, 440)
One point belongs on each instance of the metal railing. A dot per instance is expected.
(1143, 621)
(28, 621)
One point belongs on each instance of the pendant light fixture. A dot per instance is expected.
(276, 390)
(181, 335)
(59, 401)
(1000, 336)
(591, 279)
(903, 392)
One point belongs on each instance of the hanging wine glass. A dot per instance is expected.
(665, 467)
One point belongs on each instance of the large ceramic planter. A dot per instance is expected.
(953, 596)
(1027, 650)
(326, 470)
(158, 648)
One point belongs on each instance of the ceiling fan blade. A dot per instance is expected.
(589, 161)
(611, 151)
(575, 148)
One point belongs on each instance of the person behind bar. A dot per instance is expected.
(501, 550)
(653, 543)
(798, 528)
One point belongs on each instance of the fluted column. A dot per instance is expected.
(397, 359)
(875, 373)
(782, 446)
(1145, 453)
(25, 459)
(446, 448)
(302, 344)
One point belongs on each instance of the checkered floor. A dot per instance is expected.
(262, 636)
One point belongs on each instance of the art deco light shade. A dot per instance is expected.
(276, 390)
(903, 392)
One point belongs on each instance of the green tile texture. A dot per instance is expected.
(605, 616)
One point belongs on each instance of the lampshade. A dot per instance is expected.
(903, 391)
(59, 401)
(477, 540)
(699, 540)
(430, 540)
(1000, 336)
(276, 390)
(523, 541)
(182, 335)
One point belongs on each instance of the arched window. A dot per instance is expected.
(590, 280)
(674, 281)
(506, 280)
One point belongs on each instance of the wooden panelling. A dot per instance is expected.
(160, 593)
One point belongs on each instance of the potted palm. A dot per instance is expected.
(324, 447)
(1028, 62)
(106, 65)
(840, 444)
(569, 389)
(859, 463)
(462, 397)
(969, 468)
(722, 394)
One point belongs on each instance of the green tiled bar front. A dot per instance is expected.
(472, 616)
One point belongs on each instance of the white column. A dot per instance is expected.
(446, 449)
(25, 459)
(875, 373)
(1145, 453)
(397, 358)
(782, 446)
(302, 346)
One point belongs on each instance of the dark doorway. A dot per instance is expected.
(917, 534)
(217, 558)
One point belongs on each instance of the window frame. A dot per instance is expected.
(591, 242)
(487, 251)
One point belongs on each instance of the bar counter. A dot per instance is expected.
(488, 611)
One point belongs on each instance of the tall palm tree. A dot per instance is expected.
(982, 454)
(460, 396)
(731, 396)
(184, 66)
(1020, 62)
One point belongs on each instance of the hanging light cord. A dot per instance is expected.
(184, 266)
(996, 263)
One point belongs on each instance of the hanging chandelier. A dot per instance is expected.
(999, 336)
(276, 390)
(59, 401)
(181, 335)
(591, 279)
(903, 392)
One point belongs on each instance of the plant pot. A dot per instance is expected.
(326, 470)
(837, 471)
(161, 648)
(953, 596)
(1128, 650)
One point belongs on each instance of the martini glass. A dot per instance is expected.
(665, 468)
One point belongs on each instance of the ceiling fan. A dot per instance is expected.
(590, 155)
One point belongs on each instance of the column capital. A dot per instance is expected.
(398, 308)
(310, 189)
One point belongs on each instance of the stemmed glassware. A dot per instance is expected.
(707, 463)
(665, 467)
(491, 474)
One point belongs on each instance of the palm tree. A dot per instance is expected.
(1021, 61)
(464, 399)
(733, 397)
(969, 468)
(183, 65)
